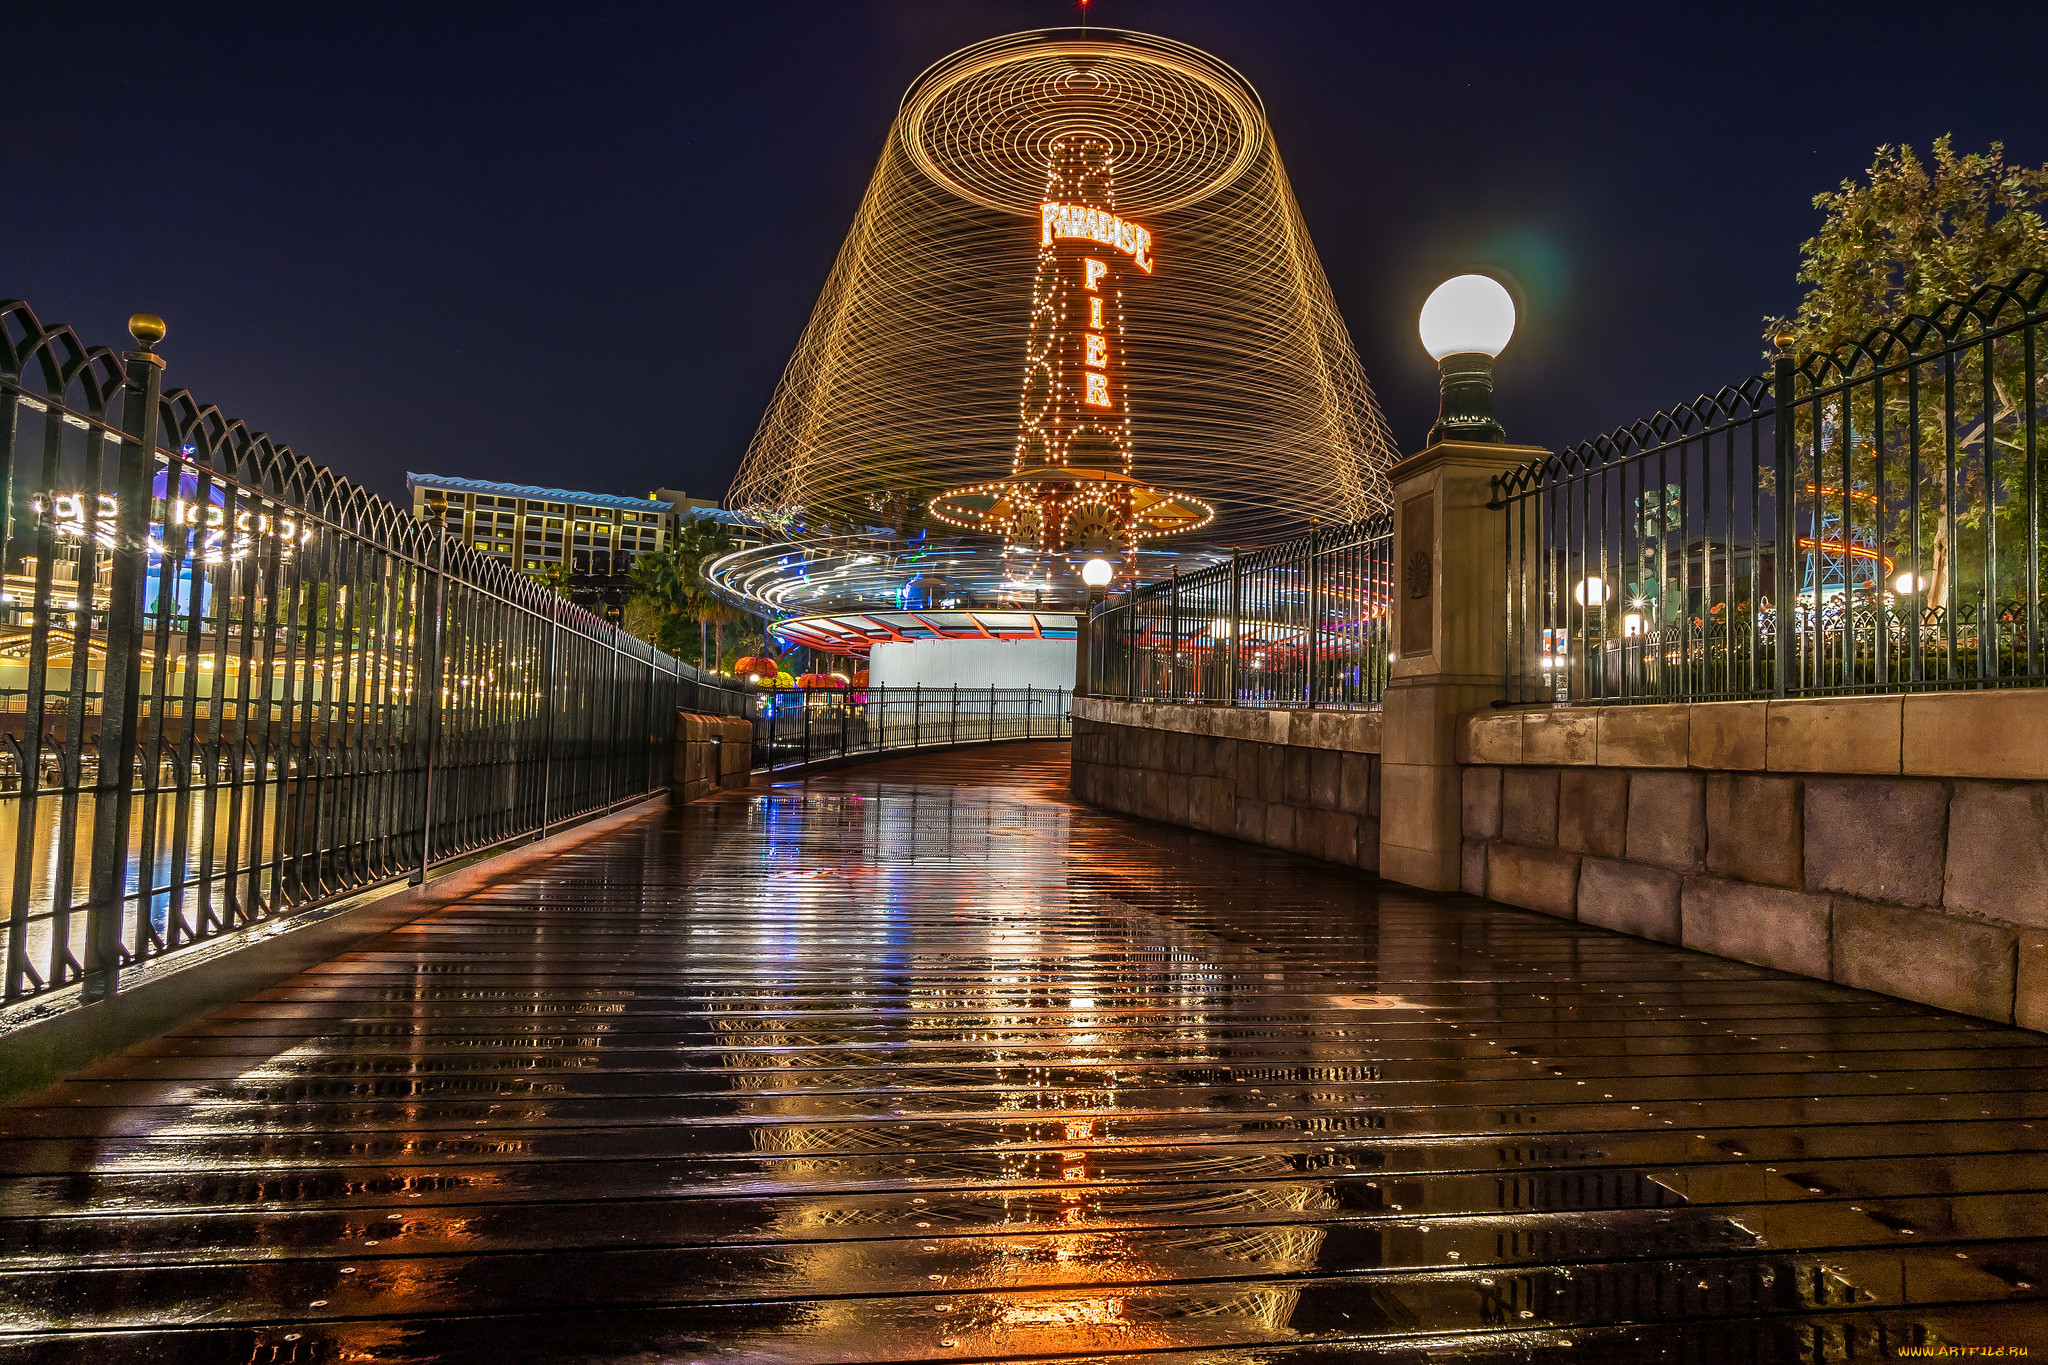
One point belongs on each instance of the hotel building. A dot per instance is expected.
(535, 529)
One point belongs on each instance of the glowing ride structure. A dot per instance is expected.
(1071, 485)
(1077, 316)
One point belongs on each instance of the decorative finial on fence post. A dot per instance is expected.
(147, 329)
(1783, 341)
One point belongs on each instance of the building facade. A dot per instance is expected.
(594, 535)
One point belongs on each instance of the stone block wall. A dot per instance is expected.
(1237, 773)
(1933, 889)
(1896, 844)
(711, 753)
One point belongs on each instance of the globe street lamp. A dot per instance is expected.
(1096, 573)
(1466, 322)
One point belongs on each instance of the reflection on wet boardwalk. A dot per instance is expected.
(920, 1061)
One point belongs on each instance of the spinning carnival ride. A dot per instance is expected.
(1078, 315)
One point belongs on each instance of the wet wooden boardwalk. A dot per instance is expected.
(920, 1061)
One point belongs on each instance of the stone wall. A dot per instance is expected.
(1720, 827)
(1305, 781)
(1897, 844)
(711, 752)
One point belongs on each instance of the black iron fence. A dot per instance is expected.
(1862, 521)
(803, 725)
(1302, 623)
(234, 686)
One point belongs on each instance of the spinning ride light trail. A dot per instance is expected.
(1221, 369)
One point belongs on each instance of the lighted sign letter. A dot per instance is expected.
(1095, 350)
(1094, 225)
(1098, 389)
(1095, 313)
(1093, 271)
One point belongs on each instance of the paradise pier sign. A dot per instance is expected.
(1088, 224)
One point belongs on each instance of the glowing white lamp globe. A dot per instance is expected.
(1466, 323)
(1467, 315)
(1096, 573)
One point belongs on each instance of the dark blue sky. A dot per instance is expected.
(575, 243)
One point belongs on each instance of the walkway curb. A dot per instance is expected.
(41, 1053)
(819, 765)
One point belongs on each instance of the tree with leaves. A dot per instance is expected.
(1912, 238)
(669, 591)
(554, 577)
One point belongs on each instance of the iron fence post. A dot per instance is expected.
(548, 704)
(916, 713)
(1131, 653)
(429, 679)
(611, 725)
(953, 718)
(1173, 628)
(121, 673)
(1315, 607)
(1782, 567)
(991, 713)
(804, 705)
(1236, 627)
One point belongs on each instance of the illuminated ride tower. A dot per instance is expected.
(1071, 490)
(1110, 209)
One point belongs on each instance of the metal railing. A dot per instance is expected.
(1862, 521)
(234, 686)
(804, 725)
(1303, 623)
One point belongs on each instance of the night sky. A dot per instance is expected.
(574, 244)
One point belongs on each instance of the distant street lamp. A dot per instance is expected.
(1466, 322)
(1096, 573)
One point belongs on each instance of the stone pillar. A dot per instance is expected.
(1450, 604)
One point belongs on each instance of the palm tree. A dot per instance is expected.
(661, 593)
(696, 544)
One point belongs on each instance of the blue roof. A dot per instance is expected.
(522, 490)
